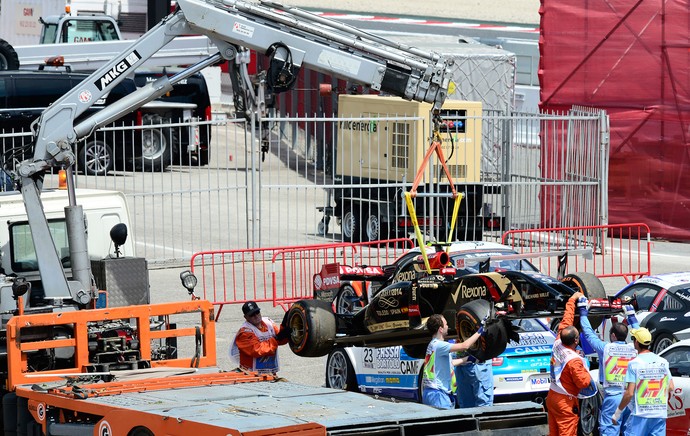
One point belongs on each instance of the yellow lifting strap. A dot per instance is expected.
(435, 147)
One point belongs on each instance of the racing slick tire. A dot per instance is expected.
(591, 286)
(494, 340)
(340, 374)
(313, 328)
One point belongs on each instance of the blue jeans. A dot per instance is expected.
(636, 426)
(608, 408)
(438, 399)
(475, 384)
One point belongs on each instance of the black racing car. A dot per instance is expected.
(397, 313)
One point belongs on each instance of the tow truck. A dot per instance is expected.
(75, 369)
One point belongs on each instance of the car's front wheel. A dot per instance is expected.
(95, 158)
(495, 338)
(340, 373)
(347, 301)
(313, 328)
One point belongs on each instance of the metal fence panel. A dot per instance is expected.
(273, 185)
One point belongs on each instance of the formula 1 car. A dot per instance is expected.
(396, 314)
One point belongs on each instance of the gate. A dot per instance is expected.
(272, 185)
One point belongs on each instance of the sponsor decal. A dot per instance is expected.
(511, 379)
(85, 96)
(665, 318)
(317, 282)
(533, 296)
(469, 292)
(243, 29)
(331, 281)
(117, 70)
(405, 276)
(388, 325)
(360, 126)
(536, 349)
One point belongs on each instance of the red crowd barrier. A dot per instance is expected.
(281, 275)
(619, 250)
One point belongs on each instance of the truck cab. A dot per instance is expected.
(80, 28)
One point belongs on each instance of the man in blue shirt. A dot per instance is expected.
(475, 382)
(438, 382)
(613, 364)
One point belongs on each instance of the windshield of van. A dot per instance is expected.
(22, 252)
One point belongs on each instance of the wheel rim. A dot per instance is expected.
(97, 158)
(337, 371)
(299, 331)
(663, 344)
(4, 63)
(345, 304)
(153, 144)
(588, 416)
(348, 224)
(373, 228)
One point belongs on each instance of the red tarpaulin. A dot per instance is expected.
(631, 58)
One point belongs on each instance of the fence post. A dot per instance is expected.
(604, 143)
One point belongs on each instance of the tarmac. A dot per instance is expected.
(492, 11)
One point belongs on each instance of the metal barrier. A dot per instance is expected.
(281, 275)
(619, 250)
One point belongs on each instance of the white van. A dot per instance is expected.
(102, 209)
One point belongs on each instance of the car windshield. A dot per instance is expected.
(678, 360)
(471, 262)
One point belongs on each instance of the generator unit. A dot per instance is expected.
(381, 144)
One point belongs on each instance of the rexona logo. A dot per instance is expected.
(117, 70)
(472, 292)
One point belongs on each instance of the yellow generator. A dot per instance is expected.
(381, 144)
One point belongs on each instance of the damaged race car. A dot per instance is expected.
(396, 314)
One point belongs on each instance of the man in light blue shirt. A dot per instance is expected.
(613, 364)
(438, 382)
(648, 382)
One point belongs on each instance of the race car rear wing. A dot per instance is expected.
(587, 253)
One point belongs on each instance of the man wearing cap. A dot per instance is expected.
(255, 347)
(569, 376)
(614, 358)
(648, 382)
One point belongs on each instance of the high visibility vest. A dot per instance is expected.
(616, 357)
(651, 389)
(560, 356)
(262, 365)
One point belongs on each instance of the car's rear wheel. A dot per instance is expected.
(313, 328)
(340, 373)
(347, 301)
(662, 342)
(591, 286)
(96, 158)
(467, 322)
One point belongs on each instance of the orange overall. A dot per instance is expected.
(250, 346)
(561, 408)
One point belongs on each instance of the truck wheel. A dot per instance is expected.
(96, 158)
(350, 224)
(8, 57)
(157, 144)
(347, 301)
(313, 328)
(203, 157)
(373, 227)
(339, 371)
(591, 286)
(467, 322)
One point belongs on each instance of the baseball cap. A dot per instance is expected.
(250, 308)
(642, 335)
